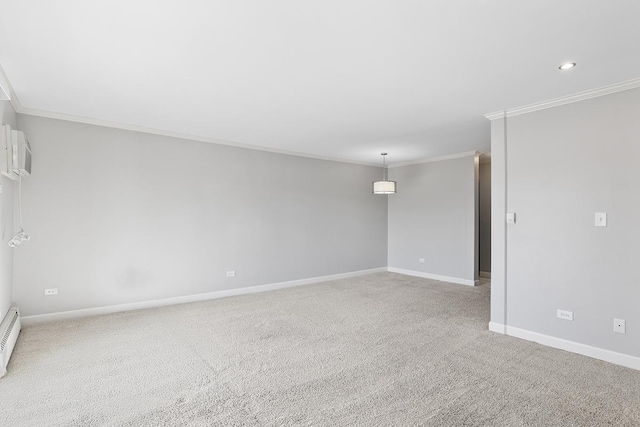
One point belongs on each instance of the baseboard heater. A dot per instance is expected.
(9, 330)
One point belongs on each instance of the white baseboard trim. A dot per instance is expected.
(486, 274)
(457, 280)
(98, 311)
(497, 327)
(621, 359)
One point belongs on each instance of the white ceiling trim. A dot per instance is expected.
(581, 96)
(436, 159)
(20, 109)
(6, 90)
(135, 128)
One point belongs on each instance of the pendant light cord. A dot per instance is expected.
(384, 166)
(20, 200)
(20, 236)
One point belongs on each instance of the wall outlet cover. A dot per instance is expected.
(565, 315)
(619, 326)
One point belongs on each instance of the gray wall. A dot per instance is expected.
(7, 117)
(433, 216)
(485, 217)
(119, 216)
(562, 165)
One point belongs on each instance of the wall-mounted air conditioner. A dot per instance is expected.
(15, 153)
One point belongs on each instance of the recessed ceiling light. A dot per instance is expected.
(567, 66)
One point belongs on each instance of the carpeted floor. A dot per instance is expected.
(377, 350)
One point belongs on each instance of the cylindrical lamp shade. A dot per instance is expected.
(384, 187)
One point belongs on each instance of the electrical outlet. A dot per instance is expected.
(421, 260)
(231, 273)
(565, 315)
(619, 326)
(52, 291)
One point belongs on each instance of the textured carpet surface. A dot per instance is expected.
(377, 350)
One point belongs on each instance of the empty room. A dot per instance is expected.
(319, 213)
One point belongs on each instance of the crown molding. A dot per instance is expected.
(435, 159)
(135, 128)
(580, 96)
(496, 115)
(13, 98)
(5, 91)
(20, 109)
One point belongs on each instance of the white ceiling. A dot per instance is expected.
(334, 78)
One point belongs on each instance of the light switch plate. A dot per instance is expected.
(601, 219)
(511, 217)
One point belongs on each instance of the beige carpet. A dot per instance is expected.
(378, 350)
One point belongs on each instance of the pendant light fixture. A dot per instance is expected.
(384, 186)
